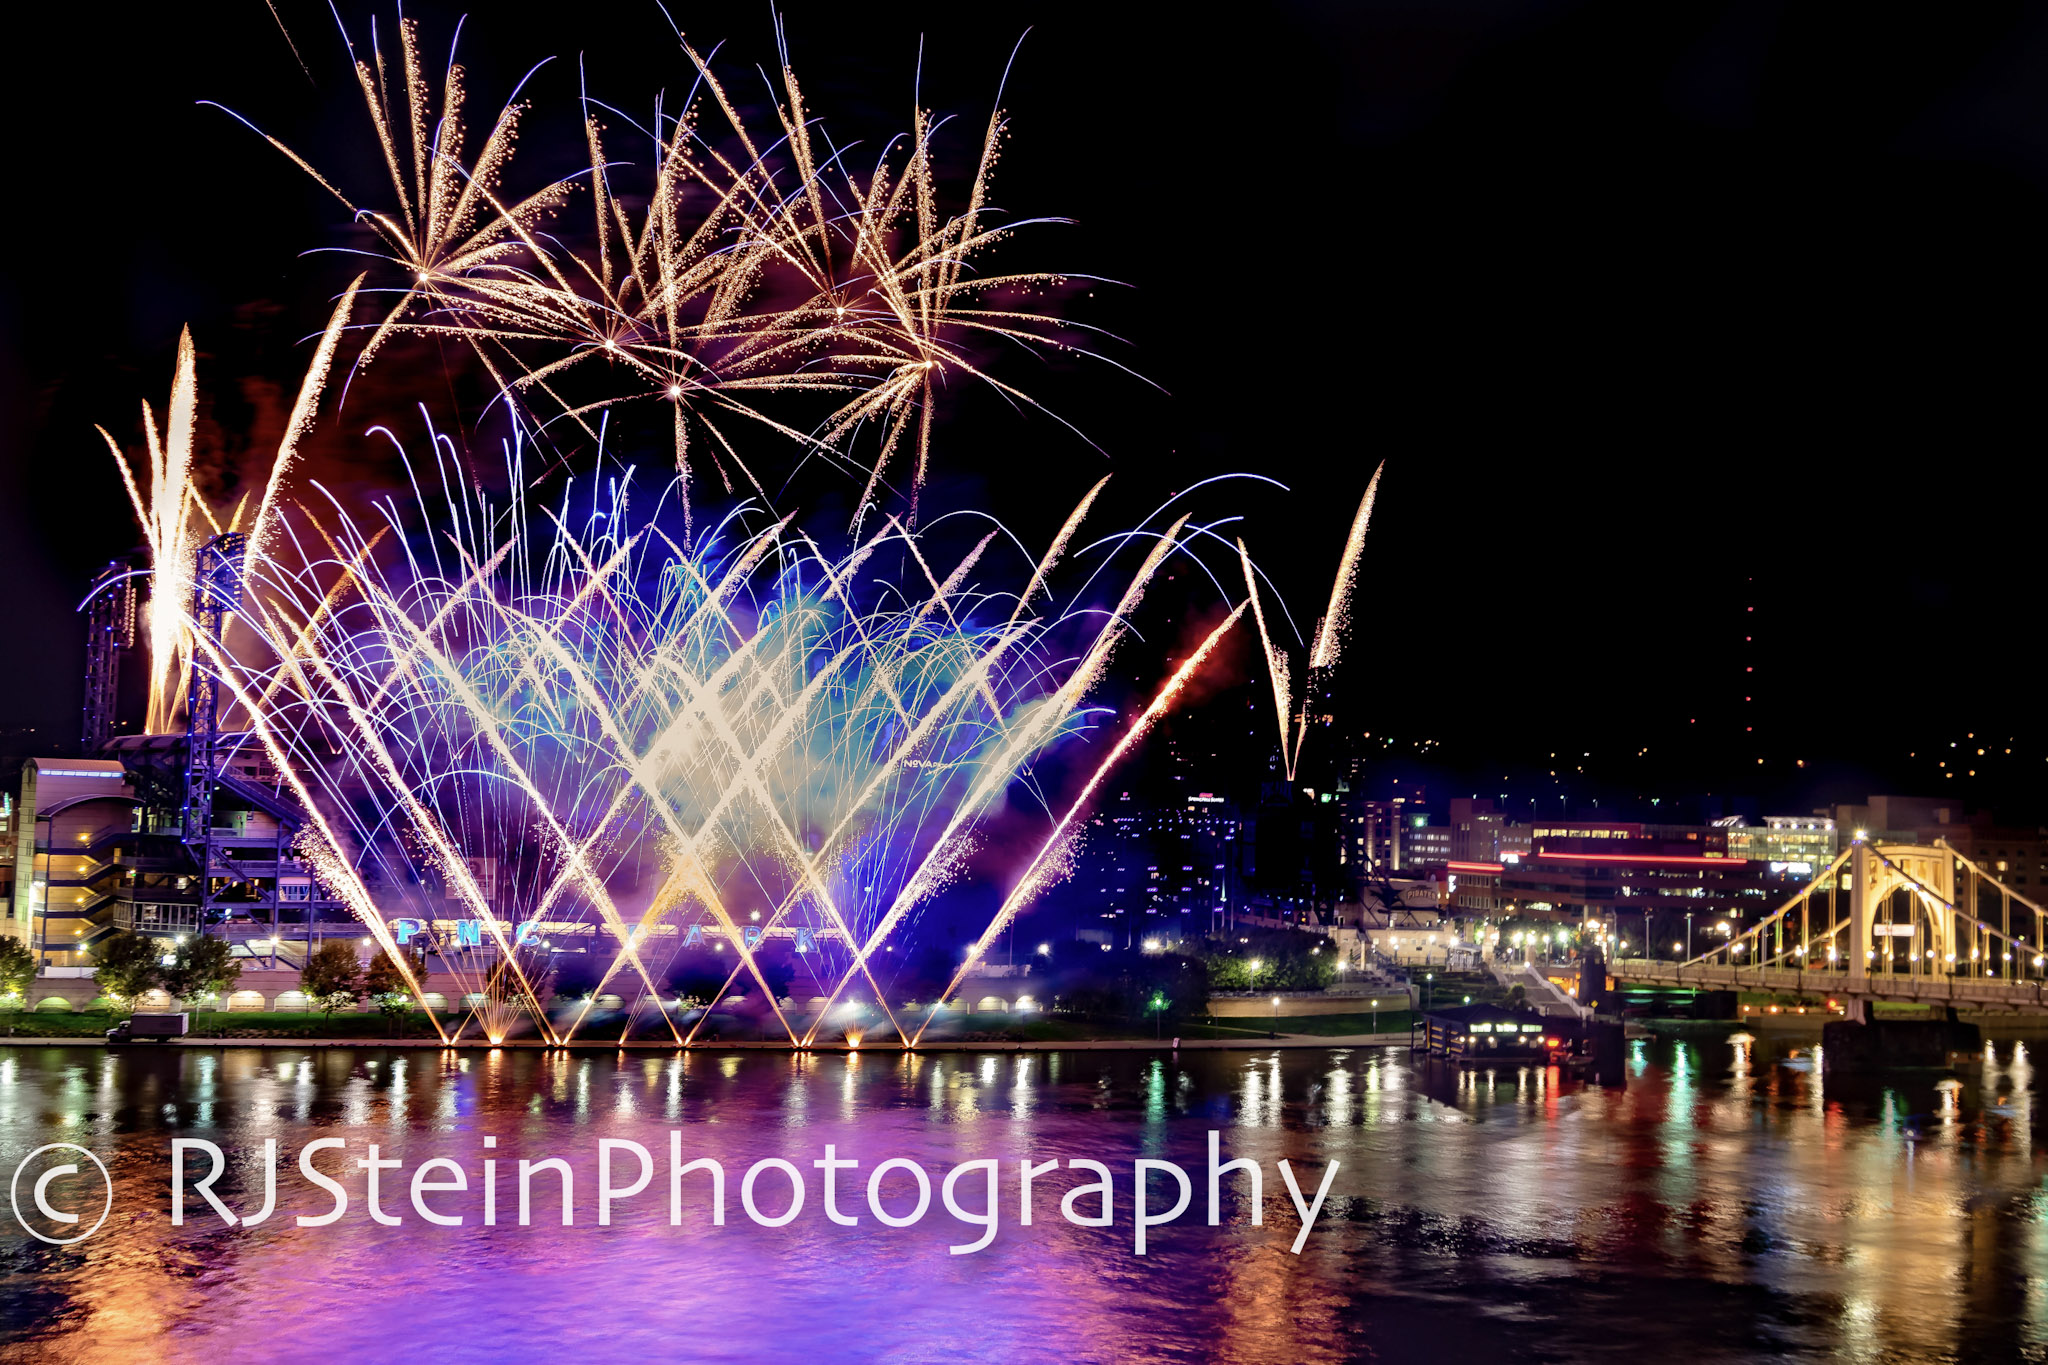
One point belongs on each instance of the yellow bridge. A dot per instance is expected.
(1899, 922)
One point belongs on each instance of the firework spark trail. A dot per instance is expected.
(165, 514)
(338, 872)
(1336, 617)
(373, 740)
(388, 688)
(1067, 697)
(1330, 639)
(1058, 548)
(1276, 661)
(301, 419)
(371, 737)
(696, 878)
(976, 676)
(1327, 647)
(749, 768)
(1034, 879)
(413, 659)
(485, 721)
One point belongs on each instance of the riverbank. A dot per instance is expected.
(1037, 1031)
(1285, 1040)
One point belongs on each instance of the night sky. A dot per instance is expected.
(1657, 313)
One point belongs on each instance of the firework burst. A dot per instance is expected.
(745, 271)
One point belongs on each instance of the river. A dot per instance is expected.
(1724, 1205)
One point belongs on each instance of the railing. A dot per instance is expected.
(1286, 994)
(83, 876)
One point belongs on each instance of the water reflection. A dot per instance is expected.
(1730, 1203)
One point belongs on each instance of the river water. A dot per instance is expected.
(1723, 1205)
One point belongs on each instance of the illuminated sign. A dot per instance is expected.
(1481, 1028)
(1206, 799)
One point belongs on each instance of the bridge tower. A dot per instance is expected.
(1928, 872)
(1861, 901)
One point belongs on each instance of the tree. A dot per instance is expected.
(17, 967)
(387, 988)
(695, 975)
(537, 965)
(576, 975)
(125, 965)
(332, 978)
(201, 967)
(698, 974)
(1138, 987)
(1275, 960)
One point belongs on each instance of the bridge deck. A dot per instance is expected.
(2030, 996)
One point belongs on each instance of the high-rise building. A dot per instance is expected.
(1158, 870)
(1424, 845)
(1480, 833)
(1799, 844)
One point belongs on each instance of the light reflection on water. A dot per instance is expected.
(1726, 1205)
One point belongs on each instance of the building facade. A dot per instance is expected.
(98, 846)
(1800, 844)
